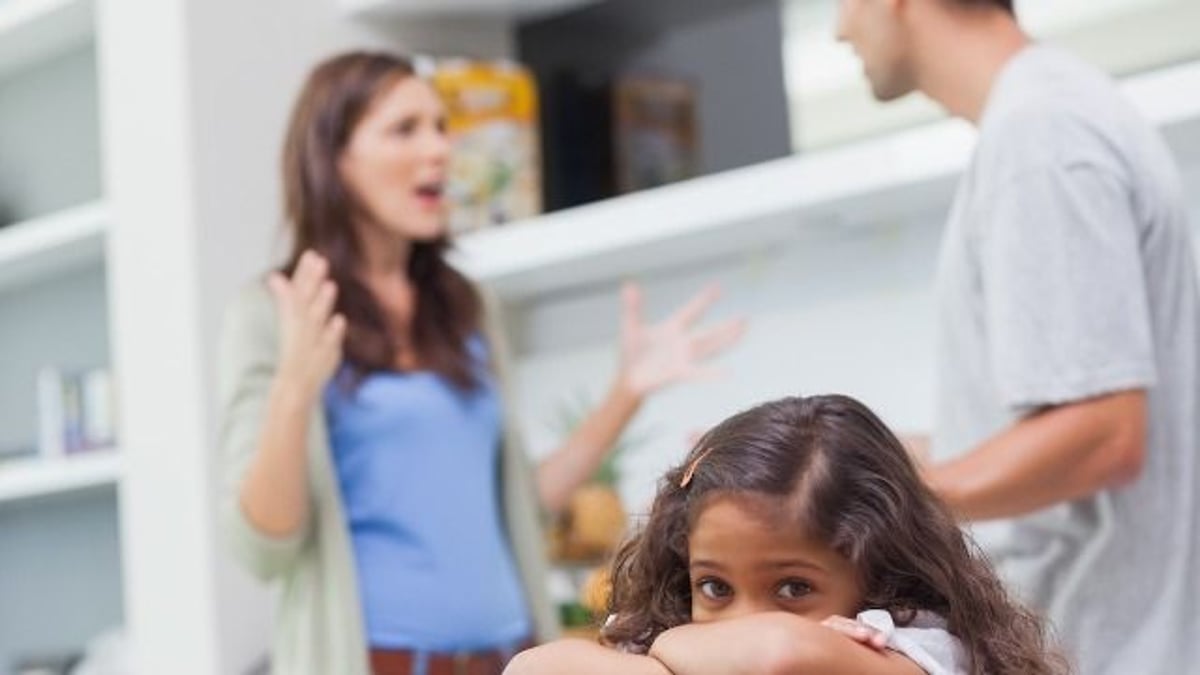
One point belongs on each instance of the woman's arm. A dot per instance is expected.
(568, 467)
(274, 493)
(652, 358)
(772, 644)
(580, 657)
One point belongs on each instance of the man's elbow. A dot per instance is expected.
(1128, 459)
(1122, 447)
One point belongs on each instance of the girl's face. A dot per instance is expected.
(395, 161)
(742, 563)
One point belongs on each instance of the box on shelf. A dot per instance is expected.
(76, 411)
(654, 130)
(616, 134)
(495, 169)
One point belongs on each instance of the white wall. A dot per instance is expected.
(840, 310)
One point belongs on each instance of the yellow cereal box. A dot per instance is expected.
(495, 171)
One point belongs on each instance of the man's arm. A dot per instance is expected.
(1056, 455)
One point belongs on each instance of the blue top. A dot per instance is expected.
(418, 464)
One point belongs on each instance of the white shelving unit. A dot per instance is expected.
(54, 310)
(890, 177)
(41, 248)
(33, 30)
(40, 478)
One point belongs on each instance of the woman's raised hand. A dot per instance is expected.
(673, 350)
(310, 333)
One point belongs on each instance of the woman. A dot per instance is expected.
(371, 469)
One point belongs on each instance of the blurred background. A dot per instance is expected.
(669, 141)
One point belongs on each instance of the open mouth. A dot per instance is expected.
(430, 193)
(430, 190)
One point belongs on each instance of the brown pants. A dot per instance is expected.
(407, 662)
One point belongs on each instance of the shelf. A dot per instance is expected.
(715, 216)
(38, 478)
(41, 248)
(35, 30)
(449, 8)
(884, 179)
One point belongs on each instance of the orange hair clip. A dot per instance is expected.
(691, 470)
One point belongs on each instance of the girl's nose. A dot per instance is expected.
(746, 606)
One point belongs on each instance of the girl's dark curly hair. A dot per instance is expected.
(842, 476)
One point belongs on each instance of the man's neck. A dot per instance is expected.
(963, 55)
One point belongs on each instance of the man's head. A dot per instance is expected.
(884, 34)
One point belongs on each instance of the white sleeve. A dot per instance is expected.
(926, 642)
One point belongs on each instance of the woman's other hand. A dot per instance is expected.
(674, 350)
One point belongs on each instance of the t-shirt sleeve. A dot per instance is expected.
(925, 642)
(1063, 286)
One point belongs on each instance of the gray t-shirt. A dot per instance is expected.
(1066, 272)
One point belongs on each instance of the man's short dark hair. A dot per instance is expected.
(1006, 5)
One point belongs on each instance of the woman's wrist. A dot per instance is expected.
(293, 395)
(625, 393)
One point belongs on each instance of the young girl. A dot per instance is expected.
(784, 522)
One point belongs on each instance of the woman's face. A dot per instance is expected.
(741, 562)
(395, 161)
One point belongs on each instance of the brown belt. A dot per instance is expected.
(408, 662)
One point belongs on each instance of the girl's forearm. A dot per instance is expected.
(580, 657)
(560, 474)
(771, 644)
(735, 647)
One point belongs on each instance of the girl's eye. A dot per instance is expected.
(714, 589)
(794, 589)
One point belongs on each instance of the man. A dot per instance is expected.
(1068, 380)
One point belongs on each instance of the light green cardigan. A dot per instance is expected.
(319, 629)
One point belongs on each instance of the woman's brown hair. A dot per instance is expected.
(841, 475)
(320, 210)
